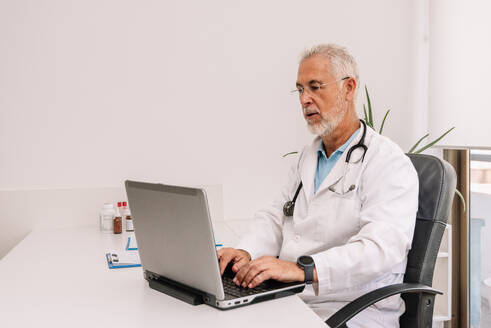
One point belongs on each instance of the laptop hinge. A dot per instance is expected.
(174, 289)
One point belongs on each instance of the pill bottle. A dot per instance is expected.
(127, 218)
(118, 220)
(106, 217)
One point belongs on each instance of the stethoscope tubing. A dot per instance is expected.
(289, 206)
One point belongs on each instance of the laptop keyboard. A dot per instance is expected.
(232, 289)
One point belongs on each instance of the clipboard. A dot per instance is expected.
(119, 260)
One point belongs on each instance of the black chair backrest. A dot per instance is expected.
(437, 180)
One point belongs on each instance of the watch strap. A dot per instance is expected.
(309, 274)
(308, 268)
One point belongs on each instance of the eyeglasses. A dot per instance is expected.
(314, 86)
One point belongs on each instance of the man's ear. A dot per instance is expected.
(350, 87)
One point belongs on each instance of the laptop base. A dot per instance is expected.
(173, 289)
(232, 304)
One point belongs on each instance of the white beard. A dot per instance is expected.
(328, 124)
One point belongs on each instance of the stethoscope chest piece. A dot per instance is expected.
(288, 208)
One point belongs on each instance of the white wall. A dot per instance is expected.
(460, 38)
(189, 92)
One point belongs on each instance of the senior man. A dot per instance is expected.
(352, 223)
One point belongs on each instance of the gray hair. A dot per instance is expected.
(341, 62)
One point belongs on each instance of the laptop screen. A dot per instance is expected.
(174, 234)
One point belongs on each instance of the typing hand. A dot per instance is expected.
(255, 272)
(239, 257)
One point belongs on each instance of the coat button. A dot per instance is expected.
(297, 237)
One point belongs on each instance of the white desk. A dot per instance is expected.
(59, 278)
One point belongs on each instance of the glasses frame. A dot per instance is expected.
(313, 89)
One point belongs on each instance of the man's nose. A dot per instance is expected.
(305, 99)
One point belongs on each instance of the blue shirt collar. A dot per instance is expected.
(341, 149)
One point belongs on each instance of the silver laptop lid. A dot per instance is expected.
(174, 234)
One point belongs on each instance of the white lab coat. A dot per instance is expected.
(359, 241)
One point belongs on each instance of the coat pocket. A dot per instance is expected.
(338, 219)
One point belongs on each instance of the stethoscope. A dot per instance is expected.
(289, 206)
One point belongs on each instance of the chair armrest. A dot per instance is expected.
(339, 319)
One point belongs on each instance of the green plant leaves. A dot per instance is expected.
(290, 153)
(370, 113)
(365, 118)
(433, 142)
(417, 143)
(383, 122)
(369, 120)
(462, 200)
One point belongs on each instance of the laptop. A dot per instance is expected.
(177, 248)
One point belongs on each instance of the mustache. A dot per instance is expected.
(310, 110)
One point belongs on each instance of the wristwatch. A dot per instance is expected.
(306, 263)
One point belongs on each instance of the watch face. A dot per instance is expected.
(306, 260)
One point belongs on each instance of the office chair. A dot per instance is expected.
(437, 180)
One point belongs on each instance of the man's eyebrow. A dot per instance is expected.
(310, 83)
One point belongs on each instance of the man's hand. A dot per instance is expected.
(267, 267)
(239, 256)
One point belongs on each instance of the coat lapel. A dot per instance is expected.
(308, 165)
